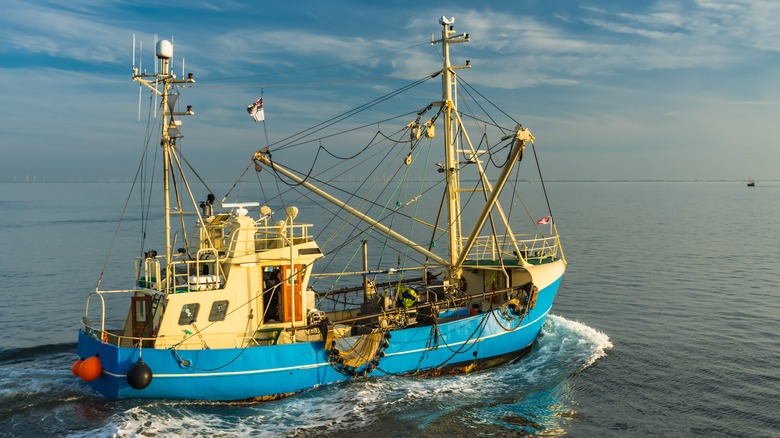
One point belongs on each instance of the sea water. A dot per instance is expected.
(666, 325)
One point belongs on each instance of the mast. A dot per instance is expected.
(166, 143)
(452, 126)
(169, 131)
(449, 101)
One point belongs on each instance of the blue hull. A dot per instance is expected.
(267, 372)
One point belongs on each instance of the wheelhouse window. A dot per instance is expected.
(218, 310)
(189, 313)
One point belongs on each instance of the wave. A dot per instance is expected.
(527, 396)
(13, 356)
(35, 383)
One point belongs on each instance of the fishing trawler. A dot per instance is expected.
(243, 310)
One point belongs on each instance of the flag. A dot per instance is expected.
(545, 220)
(256, 110)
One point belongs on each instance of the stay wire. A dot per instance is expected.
(466, 88)
(291, 140)
(302, 142)
(469, 86)
(363, 200)
(138, 173)
(541, 179)
(533, 145)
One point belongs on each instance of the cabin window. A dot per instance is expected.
(189, 314)
(140, 310)
(218, 310)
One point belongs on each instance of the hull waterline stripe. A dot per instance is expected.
(324, 364)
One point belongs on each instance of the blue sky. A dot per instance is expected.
(611, 89)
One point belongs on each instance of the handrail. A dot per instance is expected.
(86, 321)
(265, 237)
(103, 310)
(193, 338)
(148, 273)
(533, 247)
(374, 272)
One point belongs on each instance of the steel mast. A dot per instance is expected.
(170, 131)
(449, 102)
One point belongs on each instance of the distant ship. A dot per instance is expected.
(751, 183)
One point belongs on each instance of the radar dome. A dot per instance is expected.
(164, 49)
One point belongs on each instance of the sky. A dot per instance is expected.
(612, 90)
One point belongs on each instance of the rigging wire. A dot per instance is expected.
(541, 178)
(291, 140)
(138, 175)
(298, 137)
(363, 200)
(147, 209)
(468, 86)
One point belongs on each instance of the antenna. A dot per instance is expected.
(139, 101)
(155, 48)
(141, 68)
(135, 71)
(155, 75)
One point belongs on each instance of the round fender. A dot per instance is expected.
(139, 376)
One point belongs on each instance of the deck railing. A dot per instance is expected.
(111, 331)
(276, 236)
(533, 248)
(203, 273)
(97, 326)
(263, 237)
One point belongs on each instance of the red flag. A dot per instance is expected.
(256, 110)
(544, 220)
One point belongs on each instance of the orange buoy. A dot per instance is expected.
(75, 368)
(90, 369)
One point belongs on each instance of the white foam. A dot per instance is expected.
(592, 342)
(564, 347)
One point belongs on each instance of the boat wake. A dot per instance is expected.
(583, 343)
(529, 396)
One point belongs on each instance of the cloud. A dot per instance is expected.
(75, 31)
(589, 74)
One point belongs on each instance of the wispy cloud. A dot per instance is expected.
(596, 73)
(62, 31)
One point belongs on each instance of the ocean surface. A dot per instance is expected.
(667, 324)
